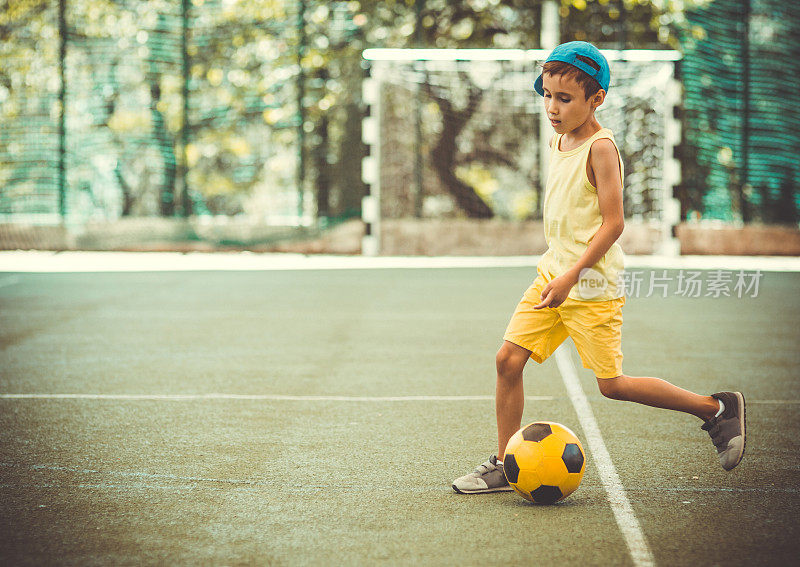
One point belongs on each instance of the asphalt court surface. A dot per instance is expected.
(317, 416)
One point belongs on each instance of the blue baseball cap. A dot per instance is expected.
(569, 52)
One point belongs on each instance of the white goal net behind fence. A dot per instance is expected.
(462, 133)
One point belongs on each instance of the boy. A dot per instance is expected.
(583, 218)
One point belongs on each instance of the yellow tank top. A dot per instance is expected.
(572, 218)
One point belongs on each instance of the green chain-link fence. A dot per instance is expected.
(741, 75)
(157, 107)
(115, 108)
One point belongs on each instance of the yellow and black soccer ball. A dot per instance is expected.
(544, 462)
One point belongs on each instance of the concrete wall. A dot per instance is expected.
(464, 237)
(452, 237)
(748, 240)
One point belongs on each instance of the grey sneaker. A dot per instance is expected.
(728, 430)
(489, 477)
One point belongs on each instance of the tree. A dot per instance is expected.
(127, 136)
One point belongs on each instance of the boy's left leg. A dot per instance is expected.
(658, 393)
(723, 413)
(596, 330)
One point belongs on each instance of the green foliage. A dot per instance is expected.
(740, 74)
(125, 81)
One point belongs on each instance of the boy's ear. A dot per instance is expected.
(598, 98)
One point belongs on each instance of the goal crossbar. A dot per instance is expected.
(383, 60)
(390, 54)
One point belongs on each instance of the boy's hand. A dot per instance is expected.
(557, 291)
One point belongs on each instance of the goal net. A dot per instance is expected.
(462, 133)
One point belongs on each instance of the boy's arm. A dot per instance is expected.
(605, 164)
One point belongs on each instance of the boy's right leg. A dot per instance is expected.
(509, 403)
(509, 392)
(540, 328)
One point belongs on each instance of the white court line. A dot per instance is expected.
(51, 262)
(290, 398)
(623, 511)
(269, 397)
(55, 262)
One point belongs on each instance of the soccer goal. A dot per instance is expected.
(461, 133)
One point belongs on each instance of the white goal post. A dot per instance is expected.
(650, 76)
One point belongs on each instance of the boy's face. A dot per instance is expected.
(566, 104)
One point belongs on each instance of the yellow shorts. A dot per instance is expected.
(595, 327)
